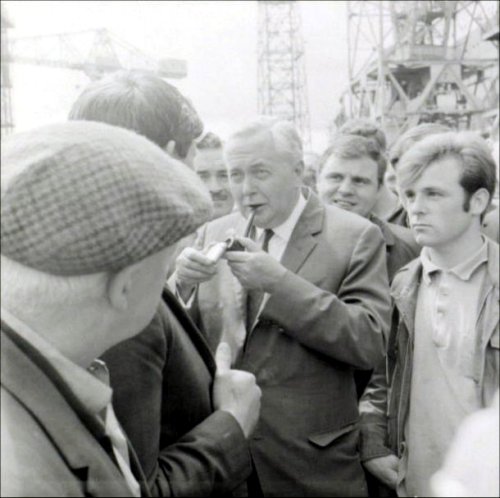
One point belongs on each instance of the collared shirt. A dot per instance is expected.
(283, 232)
(443, 389)
(90, 386)
(281, 237)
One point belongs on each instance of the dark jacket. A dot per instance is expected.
(162, 383)
(51, 444)
(400, 245)
(401, 248)
(384, 406)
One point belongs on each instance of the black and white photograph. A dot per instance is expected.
(250, 248)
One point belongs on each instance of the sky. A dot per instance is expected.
(218, 39)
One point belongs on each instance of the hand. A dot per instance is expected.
(236, 391)
(384, 468)
(193, 267)
(255, 268)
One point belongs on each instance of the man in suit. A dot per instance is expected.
(90, 215)
(188, 418)
(311, 296)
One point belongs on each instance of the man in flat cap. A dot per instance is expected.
(172, 397)
(90, 214)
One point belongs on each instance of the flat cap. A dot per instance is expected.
(84, 197)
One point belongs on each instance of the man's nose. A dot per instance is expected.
(417, 205)
(248, 187)
(345, 186)
(213, 184)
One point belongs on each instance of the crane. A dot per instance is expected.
(419, 61)
(281, 71)
(94, 52)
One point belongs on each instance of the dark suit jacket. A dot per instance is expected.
(162, 383)
(327, 317)
(51, 445)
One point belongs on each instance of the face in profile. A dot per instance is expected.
(210, 166)
(264, 180)
(435, 204)
(350, 184)
(390, 180)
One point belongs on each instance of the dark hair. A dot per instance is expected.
(412, 136)
(209, 141)
(144, 103)
(354, 147)
(472, 152)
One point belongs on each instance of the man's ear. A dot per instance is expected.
(170, 148)
(299, 171)
(479, 201)
(119, 286)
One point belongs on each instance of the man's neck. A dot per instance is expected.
(458, 250)
(386, 203)
(79, 342)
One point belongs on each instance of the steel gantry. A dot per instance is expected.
(94, 52)
(7, 122)
(282, 88)
(420, 61)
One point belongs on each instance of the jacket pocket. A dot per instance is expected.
(323, 439)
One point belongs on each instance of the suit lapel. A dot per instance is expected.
(303, 239)
(191, 329)
(80, 442)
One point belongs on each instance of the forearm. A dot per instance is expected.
(211, 459)
(373, 413)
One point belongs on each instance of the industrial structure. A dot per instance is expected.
(94, 52)
(421, 61)
(282, 88)
(7, 123)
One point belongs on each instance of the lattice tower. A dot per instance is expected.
(282, 86)
(7, 123)
(420, 61)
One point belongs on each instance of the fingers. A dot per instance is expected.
(223, 358)
(194, 256)
(237, 256)
(193, 266)
(249, 244)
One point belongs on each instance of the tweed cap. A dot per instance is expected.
(84, 197)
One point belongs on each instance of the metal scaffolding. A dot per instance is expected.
(94, 52)
(7, 122)
(421, 61)
(281, 66)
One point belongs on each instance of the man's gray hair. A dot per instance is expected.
(284, 135)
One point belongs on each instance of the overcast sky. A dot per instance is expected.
(218, 39)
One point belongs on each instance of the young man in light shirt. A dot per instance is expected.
(443, 351)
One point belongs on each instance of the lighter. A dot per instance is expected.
(215, 252)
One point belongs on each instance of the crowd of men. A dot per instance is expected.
(343, 340)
